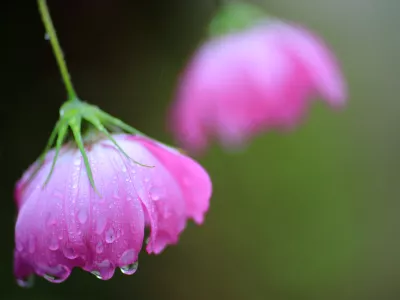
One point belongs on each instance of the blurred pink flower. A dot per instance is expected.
(66, 224)
(243, 83)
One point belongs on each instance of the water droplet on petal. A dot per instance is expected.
(156, 193)
(53, 243)
(116, 194)
(57, 274)
(97, 274)
(26, 282)
(99, 247)
(110, 235)
(50, 219)
(82, 216)
(130, 269)
(69, 252)
(128, 257)
(105, 270)
(77, 161)
(101, 224)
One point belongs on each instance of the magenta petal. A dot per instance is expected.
(255, 80)
(319, 63)
(67, 225)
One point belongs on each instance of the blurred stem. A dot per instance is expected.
(48, 24)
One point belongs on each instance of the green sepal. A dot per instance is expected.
(62, 132)
(100, 127)
(234, 17)
(72, 113)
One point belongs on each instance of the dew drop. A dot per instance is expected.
(130, 269)
(127, 257)
(110, 235)
(75, 185)
(156, 193)
(77, 161)
(47, 36)
(101, 224)
(26, 282)
(116, 194)
(53, 243)
(82, 216)
(50, 219)
(69, 252)
(99, 247)
(105, 270)
(57, 274)
(123, 169)
(97, 274)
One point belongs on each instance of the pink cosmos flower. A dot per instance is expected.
(243, 83)
(67, 224)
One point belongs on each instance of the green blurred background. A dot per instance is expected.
(307, 215)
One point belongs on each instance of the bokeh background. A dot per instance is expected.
(307, 215)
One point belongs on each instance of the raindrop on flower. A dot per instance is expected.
(82, 216)
(53, 243)
(69, 252)
(127, 257)
(100, 224)
(110, 235)
(97, 274)
(26, 282)
(130, 269)
(105, 270)
(50, 219)
(77, 161)
(156, 193)
(99, 247)
(57, 274)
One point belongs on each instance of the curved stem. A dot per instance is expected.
(48, 24)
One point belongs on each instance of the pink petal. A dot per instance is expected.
(241, 84)
(67, 225)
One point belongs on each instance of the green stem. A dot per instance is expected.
(48, 24)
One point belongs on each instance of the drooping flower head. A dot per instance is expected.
(256, 78)
(66, 224)
(86, 203)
